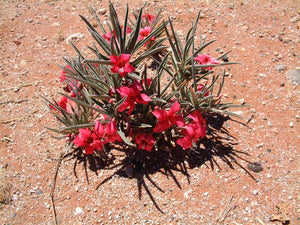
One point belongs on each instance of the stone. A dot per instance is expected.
(255, 167)
(78, 211)
(102, 11)
(295, 19)
(280, 68)
(294, 76)
(74, 37)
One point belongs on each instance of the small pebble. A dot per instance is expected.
(39, 192)
(262, 75)
(280, 68)
(291, 124)
(102, 11)
(78, 210)
(255, 192)
(255, 167)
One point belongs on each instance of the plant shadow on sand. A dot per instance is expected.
(140, 165)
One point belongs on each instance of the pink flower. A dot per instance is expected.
(71, 84)
(107, 132)
(200, 88)
(133, 95)
(206, 59)
(145, 141)
(88, 140)
(108, 35)
(193, 131)
(144, 32)
(149, 17)
(185, 142)
(166, 119)
(62, 77)
(65, 104)
(121, 64)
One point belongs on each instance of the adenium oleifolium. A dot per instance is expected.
(113, 100)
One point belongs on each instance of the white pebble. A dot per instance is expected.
(291, 124)
(78, 210)
(255, 192)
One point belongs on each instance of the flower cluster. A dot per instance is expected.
(114, 99)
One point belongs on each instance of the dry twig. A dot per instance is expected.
(228, 207)
(18, 87)
(17, 101)
(62, 154)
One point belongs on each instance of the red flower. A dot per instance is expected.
(200, 88)
(62, 77)
(193, 131)
(108, 35)
(206, 59)
(64, 103)
(166, 119)
(71, 84)
(133, 95)
(185, 142)
(145, 141)
(149, 17)
(89, 141)
(121, 64)
(144, 32)
(107, 132)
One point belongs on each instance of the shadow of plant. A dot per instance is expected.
(168, 158)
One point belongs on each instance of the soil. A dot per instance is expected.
(219, 189)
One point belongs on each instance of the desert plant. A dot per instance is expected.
(144, 87)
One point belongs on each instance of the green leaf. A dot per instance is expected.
(76, 127)
(226, 53)
(147, 54)
(103, 62)
(98, 20)
(94, 83)
(102, 97)
(156, 99)
(176, 40)
(115, 23)
(201, 48)
(101, 41)
(117, 105)
(88, 23)
(125, 29)
(82, 103)
(122, 135)
(134, 35)
(187, 48)
(160, 71)
(55, 130)
(175, 52)
(134, 76)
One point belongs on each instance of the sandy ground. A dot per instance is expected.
(263, 36)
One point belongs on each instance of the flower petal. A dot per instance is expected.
(114, 59)
(129, 68)
(174, 108)
(125, 57)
